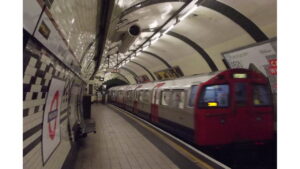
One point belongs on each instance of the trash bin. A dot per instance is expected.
(86, 104)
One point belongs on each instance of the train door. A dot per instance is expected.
(240, 124)
(155, 102)
(262, 112)
(135, 99)
(135, 102)
(252, 109)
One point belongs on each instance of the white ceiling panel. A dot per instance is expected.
(150, 62)
(136, 69)
(77, 21)
(207, 28)
(261, 12)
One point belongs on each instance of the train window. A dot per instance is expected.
(261, 95)
(166, 97)
(178, 99)
(129, 95)
(146, 96)
(240, 94)
(215, 96)
(140, 93)
(193, 94)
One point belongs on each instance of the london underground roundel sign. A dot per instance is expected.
(52, 116)
(51, 119)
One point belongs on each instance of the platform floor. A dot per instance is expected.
(121, 144)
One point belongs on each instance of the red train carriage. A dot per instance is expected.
(234, 106)
(216, 108)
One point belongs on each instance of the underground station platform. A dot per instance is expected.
(124, 141)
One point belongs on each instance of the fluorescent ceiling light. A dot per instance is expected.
(172, 26)
(157, 35)
(189, 12)
(144, 48)
(153, 41)
(153, 25)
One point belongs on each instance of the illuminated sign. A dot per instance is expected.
(143, 79)
(239, 75)
(171, 73)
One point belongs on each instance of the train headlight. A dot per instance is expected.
(212, 104)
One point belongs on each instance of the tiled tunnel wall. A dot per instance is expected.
(39, 68)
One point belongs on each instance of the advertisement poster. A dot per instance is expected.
(143, 79)
(171, 73)
(51, 119)
(261, 57)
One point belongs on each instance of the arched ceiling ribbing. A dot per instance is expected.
(195, 43)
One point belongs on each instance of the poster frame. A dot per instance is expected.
(249, 46)
(44, 162)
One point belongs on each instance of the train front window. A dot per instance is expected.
(261, 95)
(214, 96)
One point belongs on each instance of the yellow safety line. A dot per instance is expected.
(177, 147)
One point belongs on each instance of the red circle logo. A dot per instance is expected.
(52, 116)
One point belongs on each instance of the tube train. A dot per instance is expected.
(213, 109)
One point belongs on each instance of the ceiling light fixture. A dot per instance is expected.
(146, 47)
(138, 53)
(153, 41)
(156, 36)
(172, 26)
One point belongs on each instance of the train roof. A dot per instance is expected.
(187, 82)
(179, 83)
(147, 86)
(117, 88)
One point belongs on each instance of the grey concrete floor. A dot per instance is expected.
(118, 145)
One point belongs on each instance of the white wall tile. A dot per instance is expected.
(26, 79)
(32, 103)
(36, 88)
(30, 71)
(32, 61)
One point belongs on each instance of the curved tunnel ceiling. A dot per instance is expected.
(196, 43)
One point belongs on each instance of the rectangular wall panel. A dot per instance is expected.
(31, 13)
(54, 42)
(40, 70)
